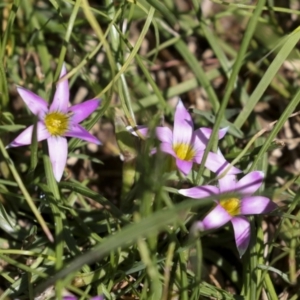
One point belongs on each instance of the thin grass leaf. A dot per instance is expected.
(148, 226)
(11, 128)
(282, 55)
(231, 83)
(286, 114)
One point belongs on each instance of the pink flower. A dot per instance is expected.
(56, 123)
(236, 201)
(187, 145)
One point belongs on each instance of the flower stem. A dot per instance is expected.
(58, 216)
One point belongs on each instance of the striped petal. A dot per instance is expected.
(61, 96)
(217, 163)
(79, 132)
(184, 166)
(164, 134)
(58, 152)
(183, 126)
(83, 110)
(241, 227)
(25, 137)
(200, 191)
(37, 105)
(250, 183)
(199, 144)
(204, 134)
(227, 183)
(253, 205)
(198, 156)
(216, 218)
(167, 148)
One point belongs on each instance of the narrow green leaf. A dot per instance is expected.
(129, 234)
(286, 114)
(271, 72)
(11, 128)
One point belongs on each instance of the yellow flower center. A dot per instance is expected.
(57, 123)
(231, 205)
(184, 151)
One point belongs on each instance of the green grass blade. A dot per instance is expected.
(231, 83)
(281, 56)
(286, 114)
(148, 226)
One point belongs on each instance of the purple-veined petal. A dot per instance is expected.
(227, 183)
(216, 218)
(184, 166)
(79, 132)
(250, 183)
(222, 132)
(25, 137)
(204, 133)
(241, 227)
(164, 134)
(37, 105)
(253, 205)
(218, 164)
(198, 156)
(83, 110)
(61, 96)
(143, 130)
(198, 143)
(58, 152)
(183, 125)
(167, 148)
(200, 191)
